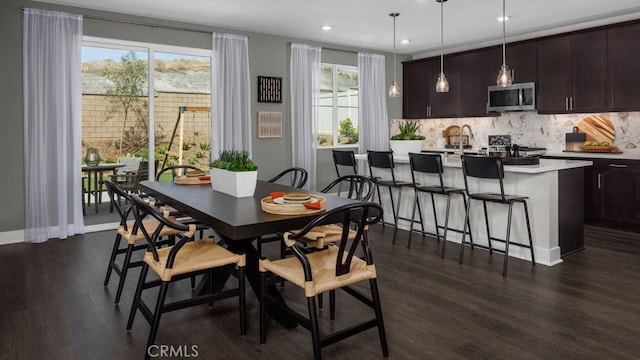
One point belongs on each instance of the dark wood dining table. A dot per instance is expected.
(238, 221)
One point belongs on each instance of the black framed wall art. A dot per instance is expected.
(269, 89)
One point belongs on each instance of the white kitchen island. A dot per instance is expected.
(555, 189)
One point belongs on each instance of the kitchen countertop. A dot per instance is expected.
(546, 165)
(563, 154)
(592, 155)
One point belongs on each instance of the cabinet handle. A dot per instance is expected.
(599, 181)
(571, 103)
(513, 75)
(622, 166)
(566, 103)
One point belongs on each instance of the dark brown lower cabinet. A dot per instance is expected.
(612, 193)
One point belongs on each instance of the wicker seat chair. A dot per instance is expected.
(185, 259)
(335, 267)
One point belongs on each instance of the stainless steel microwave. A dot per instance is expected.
(517, 97)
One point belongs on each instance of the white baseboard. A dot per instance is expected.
(11, 237)
(18, 236)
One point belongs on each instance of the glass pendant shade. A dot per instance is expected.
(394, 90)
(504, 76)
(442, 85)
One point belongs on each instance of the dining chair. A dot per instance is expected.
(132, 233)
(335, 267)
(344, 159)
(492, 168)
(130, 180)
(430, 165)
(185, 259)
(359, 188)
(179, 170)
(382, 162)
(297, 177)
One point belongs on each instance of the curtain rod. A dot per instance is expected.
(140, 23)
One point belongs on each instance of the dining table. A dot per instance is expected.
(96, 172)
(238, 222)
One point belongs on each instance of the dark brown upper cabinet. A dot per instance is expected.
(419, 97)
(522, 59)
(476, 75)
(572, 73)
(445, 105)
(624, 67)
(416, 80)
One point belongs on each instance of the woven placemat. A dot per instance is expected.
(192, 180)
(292, 209)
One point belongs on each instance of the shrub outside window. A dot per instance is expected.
(338, 114)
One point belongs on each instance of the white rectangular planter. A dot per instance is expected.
(234, 183)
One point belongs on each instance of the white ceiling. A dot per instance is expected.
(366, 23)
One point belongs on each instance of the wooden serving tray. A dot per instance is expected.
(292, 209)
(600, 149)
(191, 180)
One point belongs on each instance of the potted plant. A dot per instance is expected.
(407, 140)
(234, 173)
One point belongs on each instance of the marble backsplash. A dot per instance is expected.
(533, 129)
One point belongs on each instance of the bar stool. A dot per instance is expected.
(432, 164)
(484, 167)
(342, 158)
(384, 160)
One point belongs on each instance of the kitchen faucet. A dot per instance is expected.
(460, 143)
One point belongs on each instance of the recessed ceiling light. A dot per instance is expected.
(405, 41)
(326, 28)
(504, 19)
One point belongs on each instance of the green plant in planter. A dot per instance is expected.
(407, 131)
(234, 160)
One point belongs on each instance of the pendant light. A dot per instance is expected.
(504, 75)
(442, 86)
(394, 90)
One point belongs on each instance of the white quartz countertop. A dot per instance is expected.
(564, 154)
(545, 165)
(623, 156)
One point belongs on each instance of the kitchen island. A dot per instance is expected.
(555, 189)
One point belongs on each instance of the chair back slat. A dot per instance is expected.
(140, 211)
(483, 167)
(297, 176)
(428, 164)
(115, 192)
(344, 158)
(360, 188)
(356, 216)
(380, 159)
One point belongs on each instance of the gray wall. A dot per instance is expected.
(269, 56)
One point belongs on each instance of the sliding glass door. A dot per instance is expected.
(142, 103)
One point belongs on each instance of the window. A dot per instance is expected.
(121, 119)
(338, 113)
(118, 113)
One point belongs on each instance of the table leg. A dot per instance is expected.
(253, 276)
(95, 189)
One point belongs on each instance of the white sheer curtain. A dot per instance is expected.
(231, 94)
(52, 100)
(305, 96)
(372, 105)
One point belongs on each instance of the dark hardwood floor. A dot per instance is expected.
(53, 306)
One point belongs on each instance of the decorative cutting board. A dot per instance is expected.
(598, 129)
